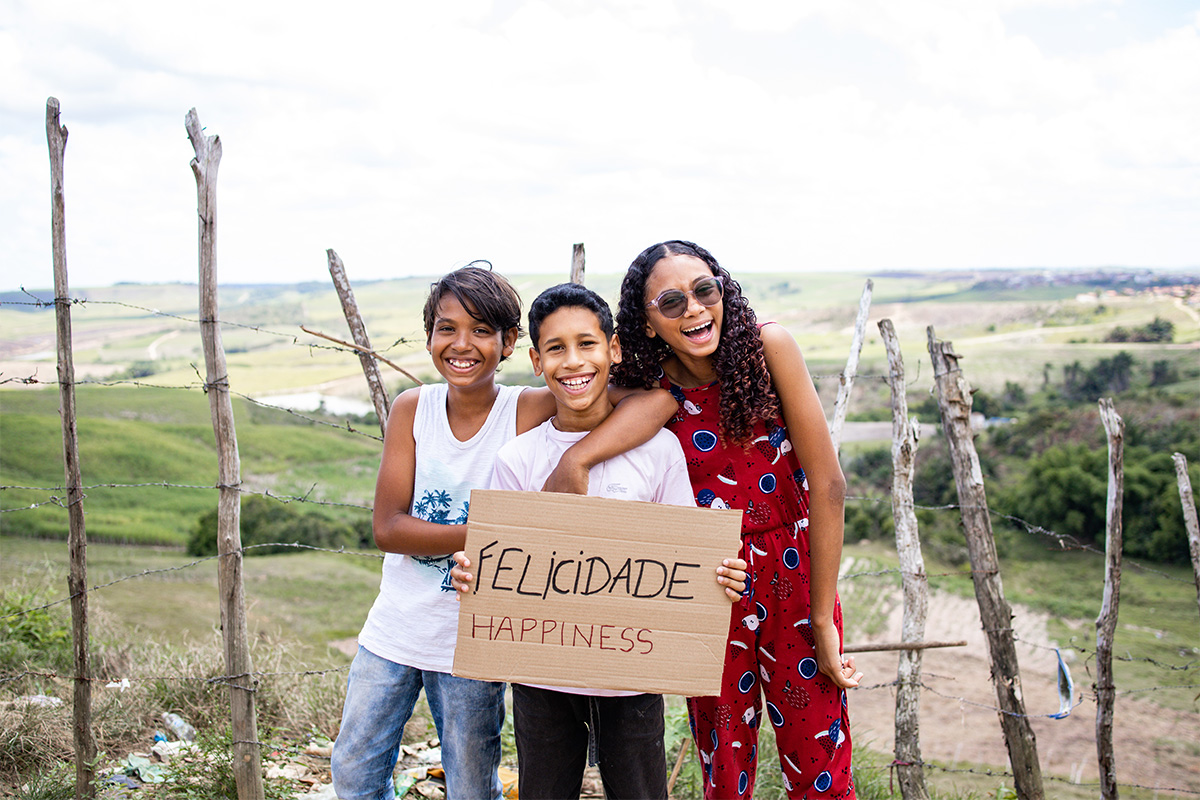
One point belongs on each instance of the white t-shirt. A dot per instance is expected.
(654, 472)
(414, 620)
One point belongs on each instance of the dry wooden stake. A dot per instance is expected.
(1189, 516)
(954, 403)
(371, 353)
(1106, 623)
(247, 760)
(359, 331)
(577, 264)
(915, 584)
(846, 379)
(85, 742)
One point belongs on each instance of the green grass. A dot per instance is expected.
(306, 599)
(131, 436)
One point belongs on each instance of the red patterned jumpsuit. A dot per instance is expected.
(770, 640)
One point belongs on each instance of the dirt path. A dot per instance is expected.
(1154, 746)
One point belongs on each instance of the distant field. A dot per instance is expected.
(1003, 332)
(141, 337)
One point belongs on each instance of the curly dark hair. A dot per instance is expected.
(747, 395)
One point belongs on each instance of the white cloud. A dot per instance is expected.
(412, 137)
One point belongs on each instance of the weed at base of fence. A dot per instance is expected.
(205, 771)
(57, 783)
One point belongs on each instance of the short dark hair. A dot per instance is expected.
(486, 295)
(568, 295)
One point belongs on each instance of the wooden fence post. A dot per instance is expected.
(85, 742)
(1189, 516)
(577, 264)
(247, 759)
(1106, 623)
(359, 331)
(913, 579)
(954, 402)
(846, 379)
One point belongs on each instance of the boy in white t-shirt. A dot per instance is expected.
(558, 730)
(440, 443)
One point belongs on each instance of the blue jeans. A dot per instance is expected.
(380, 696)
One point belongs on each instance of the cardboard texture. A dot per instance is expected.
(595, 593)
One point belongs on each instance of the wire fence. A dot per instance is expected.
(54, 496)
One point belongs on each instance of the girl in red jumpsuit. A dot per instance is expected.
(756, 439)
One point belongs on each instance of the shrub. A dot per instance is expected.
(30, 633)
(264, 521)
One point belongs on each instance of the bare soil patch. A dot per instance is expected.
(1154, 746)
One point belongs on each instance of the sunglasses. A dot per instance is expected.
(673, 303)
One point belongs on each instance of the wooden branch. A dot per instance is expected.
(247, 759)
(364, 351)
(85, 741)
(954, 403)
(905, 433)
(1106, 623)
(358, 330)
(884, 647)
(684, 748)
(577, 264)
(1189, 516)
(846, 379)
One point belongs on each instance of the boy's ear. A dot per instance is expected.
(614, 348)
(429, 342)
(510, 342)
(536, 358)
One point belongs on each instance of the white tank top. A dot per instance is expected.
(414, 620)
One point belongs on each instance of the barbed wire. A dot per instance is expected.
(1159, 688)
(83, 302)
(146, 572)
(53, 501)
(1030, 527)
(1128, 658)
(1001, 773)
(201, 385)
(346, 426)
(123, 680)
(282, 498)
(996, 709)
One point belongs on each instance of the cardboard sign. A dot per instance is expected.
(595, 593)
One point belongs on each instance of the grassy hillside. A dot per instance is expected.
(133, 436)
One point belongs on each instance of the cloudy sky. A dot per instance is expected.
(412, 137)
